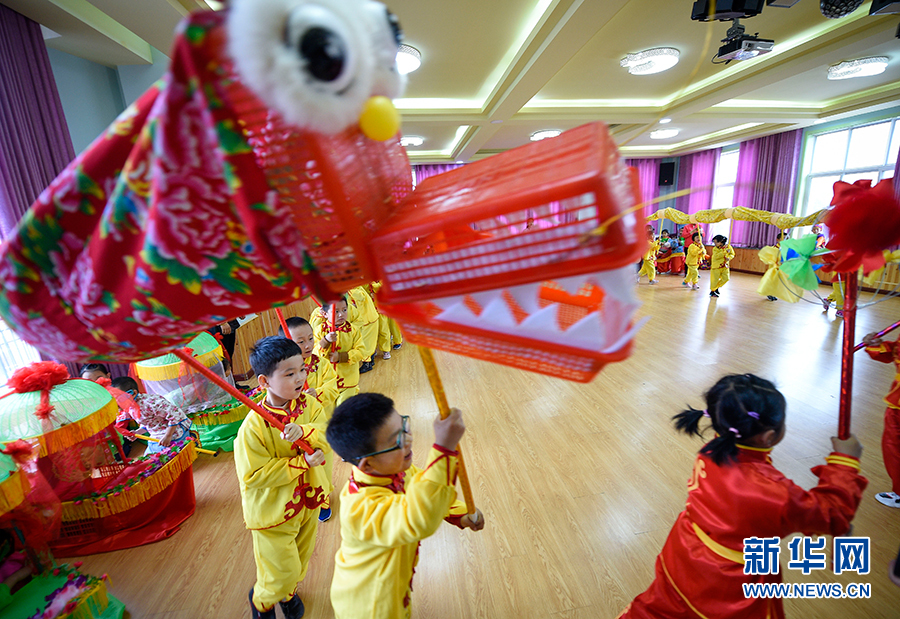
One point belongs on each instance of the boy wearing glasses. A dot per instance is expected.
(282, 487)
(388, 506)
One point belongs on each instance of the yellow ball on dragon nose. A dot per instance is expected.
(379, 120)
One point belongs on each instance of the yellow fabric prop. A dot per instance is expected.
(711, 216)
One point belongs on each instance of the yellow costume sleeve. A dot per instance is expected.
(729, 253)
(352, 344)
(389, 519)
(325, 384)
(255, 464)
(316, 320)
(365, 307)
(770, 255)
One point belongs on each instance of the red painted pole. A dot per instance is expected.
(847, 351)
(881, 333)
(191, 361)
(281, 319)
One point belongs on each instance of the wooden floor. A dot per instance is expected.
(579, 483)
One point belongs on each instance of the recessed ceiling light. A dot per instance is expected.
(861, 67)
(496, 122)
(408, 59)
(664, 121)
(651, 61)
(412, 140)
(537, 136)
(662, 134)
(460, 162)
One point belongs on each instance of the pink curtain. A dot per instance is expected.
(35, 144)
(424, 171)
(698, 172)
(648, 180)
(767, 173)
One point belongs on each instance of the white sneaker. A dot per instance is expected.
(386, 355)
(891, 499)
(654, 281)
(696, 287)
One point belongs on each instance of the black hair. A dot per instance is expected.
(665, 230)
(125, 383)
(226, 364)
(780, 236)
(92, 367)
(293, 322)
(730, 403)
(720, 239)
(695, 235)
(327, 304)
(268, 352)
(351, 431)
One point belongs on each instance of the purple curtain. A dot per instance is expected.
(698, 172)
(424, 171)
(648, 181)
(767, 173)
(34, 139)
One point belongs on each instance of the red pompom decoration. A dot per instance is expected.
(20, 451)
(38, 376)
(864, 222)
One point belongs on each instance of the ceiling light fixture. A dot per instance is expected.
(835, 9)
(412, 140)
(664, 121)
(663, 134)
(861, 67)
(651, 61)
(408, 59)
(537, 136)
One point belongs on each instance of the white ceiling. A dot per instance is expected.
(495, 71)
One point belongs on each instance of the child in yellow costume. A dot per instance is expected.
(361, 312)
(321, 382)
(648, 267)
(695, 253)
(775, 284)
(281, 486)
(321, 377)
(719, 273)
(389, 335)
(348, 351)
(388, 506)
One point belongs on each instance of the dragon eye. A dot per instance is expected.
(324, 53)
(322, 42)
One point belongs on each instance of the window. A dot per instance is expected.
(863, 152)
(14, 353)
(723, 196)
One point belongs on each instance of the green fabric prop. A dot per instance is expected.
(795, 261)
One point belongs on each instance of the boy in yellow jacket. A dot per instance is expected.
(388, 506)
(361, 312)
(695, 253)
(346, 340)
(281, 486)
(321, 382)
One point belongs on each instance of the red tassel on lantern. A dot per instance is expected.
(38, 376)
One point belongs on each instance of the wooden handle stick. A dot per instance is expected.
(437, 387)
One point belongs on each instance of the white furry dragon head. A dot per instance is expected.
(316, 62)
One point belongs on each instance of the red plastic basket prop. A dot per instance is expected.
(466, 260)
(341, 187)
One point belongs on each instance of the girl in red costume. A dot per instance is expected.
(736, 493)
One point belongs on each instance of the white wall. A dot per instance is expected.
(136, 79)
(90, 93)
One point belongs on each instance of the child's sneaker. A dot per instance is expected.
(685, 284)
(826, 304)
(325, 514)
(695, 287)
(771, 298)
(259, 614)
(386, 355)
(397, 346)
(293, 608)
(366, 366)
(839, 313)
(891, 499)
(654, 281)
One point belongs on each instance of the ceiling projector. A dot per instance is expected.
(744, 48)
(740, 46)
